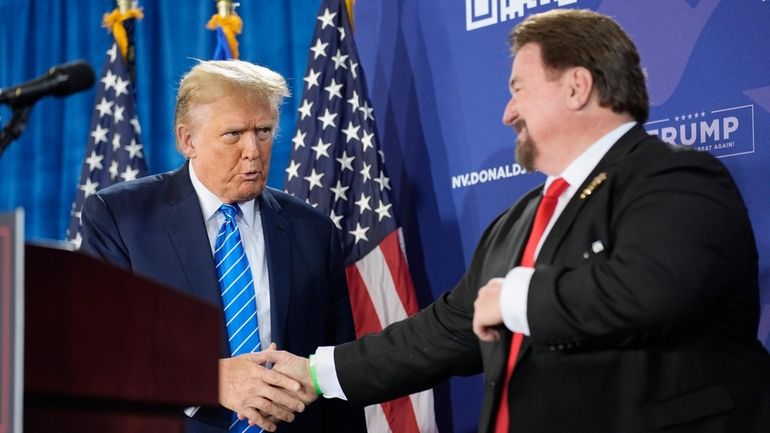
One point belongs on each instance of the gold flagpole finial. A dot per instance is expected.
(226, 8)
(125, 5)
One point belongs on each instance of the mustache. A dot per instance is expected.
(519, 125)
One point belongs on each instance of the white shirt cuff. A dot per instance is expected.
(513, 299)
(190, 411)
(326, 373)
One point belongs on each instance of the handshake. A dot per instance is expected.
(266, 396)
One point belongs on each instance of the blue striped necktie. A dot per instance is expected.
(238, 296)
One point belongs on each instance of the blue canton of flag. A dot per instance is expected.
(114, 152)
(336, 163)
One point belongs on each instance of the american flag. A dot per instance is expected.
(338, 167)
(114, 152)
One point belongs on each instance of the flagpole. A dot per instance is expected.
(225, 8)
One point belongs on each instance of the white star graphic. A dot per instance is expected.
(314, 179)
(113, 169)
(118, 114)
(336, 219)
(320, 149)
(353, 101)
(94, 161)
(292, 169)
(304, 110)
(339, 191)
(89, 188)
(327, 119)
(367, 110)
(99, 134)
(359, 232)
(129, 173)
(366, 140)
(327, 18)
(121, 87)
(115, 142)
(113, 52)
(383, 210)
(342, 33)
(383, 180)
(108, 80)
(299, 139)
(351, 132)
(339, 60)
(104, 107)
(363, 203)
(365, 172)
(353, 67)
(134, 149)
(346, 162)
(312, 78)
(333, 89)
(135, 123)
(319, 49)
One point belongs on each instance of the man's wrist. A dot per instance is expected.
(313, 375)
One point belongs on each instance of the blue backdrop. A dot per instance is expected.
(437, 72)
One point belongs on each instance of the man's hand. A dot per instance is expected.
(486, 311)
(297, 368)
(255, 392)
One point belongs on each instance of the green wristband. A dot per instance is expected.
(313, 376)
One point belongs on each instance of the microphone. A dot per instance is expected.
(61, 80)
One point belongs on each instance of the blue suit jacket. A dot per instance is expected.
(154, 227)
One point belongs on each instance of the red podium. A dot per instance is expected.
(109, 351)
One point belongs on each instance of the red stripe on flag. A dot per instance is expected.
(400, 415)
(399, 271)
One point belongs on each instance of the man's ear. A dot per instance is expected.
(580, 87)
(185, 140)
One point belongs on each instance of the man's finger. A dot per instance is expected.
(255, 418)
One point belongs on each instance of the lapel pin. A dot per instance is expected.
(595, 182)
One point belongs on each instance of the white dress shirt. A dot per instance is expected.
(513, 298)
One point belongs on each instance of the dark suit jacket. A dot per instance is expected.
(154, 227)
(654, 332)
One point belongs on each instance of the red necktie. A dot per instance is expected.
(542, 216)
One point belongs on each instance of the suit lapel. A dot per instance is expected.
(569, 215)
(276, 230)
(187, 231)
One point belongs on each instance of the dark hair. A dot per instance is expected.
(570, 37)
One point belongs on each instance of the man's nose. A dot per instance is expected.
(510, 114)
(251, 145)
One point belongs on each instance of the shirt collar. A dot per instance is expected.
(210, 203)
(577, 172)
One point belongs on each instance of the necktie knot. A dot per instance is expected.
(556, 188)
(229, 211)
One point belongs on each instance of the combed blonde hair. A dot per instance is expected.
(212, 79)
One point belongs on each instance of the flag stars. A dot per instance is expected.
(299, 139)
(383, 211)
(327, 19)
(113, 169)
(351, 132)
(353, 67)
(319, 49)
(363, 203)
(328, 119)
(94, 161)
(134, 149)
(336, 219)
(118, 114)
(312, 78)
(368, 111)
(121, 87)
(135, 123)
(365, 172)
(339, 191)
(333, 89)
(104, 107)
(383, 181)
(109, 80)
(353, 101)
(366, 140)
(321, 149)
(342, 33)
(339, 60)
(304, 110)
(89, 188)
(113, 52)
(115, 142)
(346, 162)
(99, 134)
(359, 233)
(293, 169)
(314, 179)
(129, 173)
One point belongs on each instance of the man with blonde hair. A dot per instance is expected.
(213, 229)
